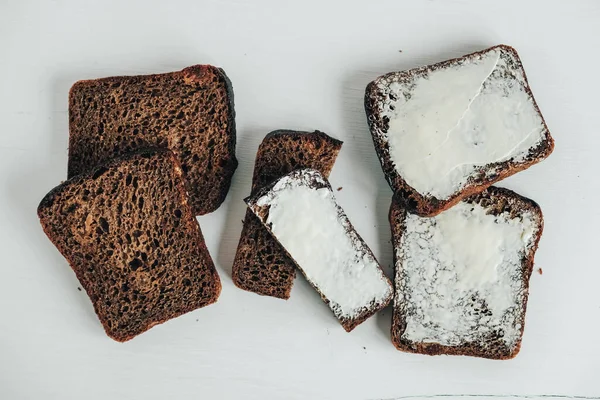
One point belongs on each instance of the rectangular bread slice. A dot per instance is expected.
(449, 130)
(190, 112)
(128, 232)
(301, 212)
(261, 265)
(462, 277)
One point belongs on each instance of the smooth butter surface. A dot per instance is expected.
(459, 275)
(315, 232)
(445, 124)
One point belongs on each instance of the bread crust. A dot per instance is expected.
(429, 205)
(497, 200)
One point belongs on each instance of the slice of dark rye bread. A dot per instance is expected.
(502, 100)
(190, 112)
(467, 315)
(301, 213)
(128, 232)
(261, 265)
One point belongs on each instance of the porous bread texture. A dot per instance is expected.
(261, 265)
(129, 234)
(433, 302)
(190, 112)
(378, 96)
(313, 180)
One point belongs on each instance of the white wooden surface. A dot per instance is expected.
(300, 65)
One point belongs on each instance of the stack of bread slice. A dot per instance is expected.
(294, 222)
(261, 264)
(146, 155)
(463, 249)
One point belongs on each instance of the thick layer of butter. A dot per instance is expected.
(313, 229)
(457, 264)
(447, 123)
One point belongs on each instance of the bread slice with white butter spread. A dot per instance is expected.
(261, 265)
(449, 130)
(302, 214)
(462, 277)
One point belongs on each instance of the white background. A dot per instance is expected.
(301, 65)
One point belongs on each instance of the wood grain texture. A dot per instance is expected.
(304, 66)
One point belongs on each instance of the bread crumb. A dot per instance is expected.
(78, 288)
(340, 188)
(540, 271)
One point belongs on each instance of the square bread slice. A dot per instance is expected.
(129, 234)
(462, 277)
(190, 112)
(301, 212)
(261, 265)
(449, 130)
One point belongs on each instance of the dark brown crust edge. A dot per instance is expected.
(257, 183)
(398, 213)
(193, 71)
(232, 142)
(347, 323)
(429, 205)
(48, 200)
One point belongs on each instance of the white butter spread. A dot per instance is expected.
(446, 124)
(459, 275)
(317, 235)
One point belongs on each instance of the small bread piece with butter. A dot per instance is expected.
(302, 214)
(462, 277)
(449, 130)
(261, 265)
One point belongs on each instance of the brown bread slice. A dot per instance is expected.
(129, 234)
(261, 265)
(443, 308)
(399, 115)
(190, 112)
(301, 213)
